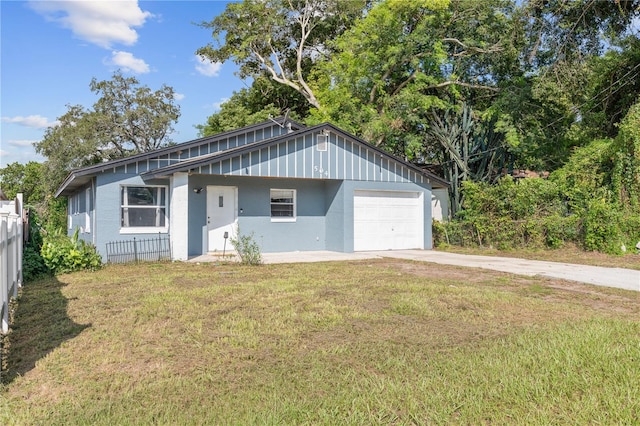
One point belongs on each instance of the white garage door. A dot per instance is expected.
(388, 220)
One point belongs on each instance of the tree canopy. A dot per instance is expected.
(470, 88)
(126, 119)
(262, 100)
(279, 37)
(534, 79)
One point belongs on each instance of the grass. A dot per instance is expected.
(370, 342)
(567, 254)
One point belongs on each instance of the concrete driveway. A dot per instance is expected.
(608, 277)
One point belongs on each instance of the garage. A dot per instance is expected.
(388, 220)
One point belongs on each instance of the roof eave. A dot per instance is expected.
(197, 162)
(101, 167)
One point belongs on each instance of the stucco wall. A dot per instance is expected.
(107, 210)
(306, 233)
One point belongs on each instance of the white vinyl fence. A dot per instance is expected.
(11, 230)
(11, 234)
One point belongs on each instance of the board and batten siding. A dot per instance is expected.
(344, 159)
(190, 150)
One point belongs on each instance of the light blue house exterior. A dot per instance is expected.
(295, 188)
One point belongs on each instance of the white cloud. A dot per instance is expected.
(206, 67)
(217, 105)
(33, 121)
(22, 143)
(99, 22)
(178, 96)
(129, 63)
(19, 151)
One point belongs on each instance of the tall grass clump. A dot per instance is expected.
(247, 248)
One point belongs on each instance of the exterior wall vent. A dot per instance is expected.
(322, 141)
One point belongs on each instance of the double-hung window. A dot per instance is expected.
(143, 208)
(283, 205)
(73, 208)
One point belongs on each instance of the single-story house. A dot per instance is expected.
(295, 188)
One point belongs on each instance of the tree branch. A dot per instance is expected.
(463, 84)
(305, 31)
(469, 50)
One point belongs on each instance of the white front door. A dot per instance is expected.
(222, 215)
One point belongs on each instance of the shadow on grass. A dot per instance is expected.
(41, 324)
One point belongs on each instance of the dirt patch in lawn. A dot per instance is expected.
(145, 323)
(600, 298)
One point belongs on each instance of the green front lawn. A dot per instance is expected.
(369, 342)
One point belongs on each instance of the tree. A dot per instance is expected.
(404, 59)
(264, 99)
(23, 178)
(470, 149)
(279, 37)
(569, 31)
(71, 144)
(30, 180)
(126, 119)
(625, 158)
(612, 88)
(131, 118)
(578, 77)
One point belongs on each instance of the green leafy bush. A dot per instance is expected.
(247, 248)
(33, 265)
(592, 201)
(63, 254)
(602, 227)
(510, 214)
(625, 155)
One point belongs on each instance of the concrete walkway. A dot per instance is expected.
(626, 279)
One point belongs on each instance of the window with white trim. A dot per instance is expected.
(283, 204)
(74, 204)
(143, 207)
(87, 210)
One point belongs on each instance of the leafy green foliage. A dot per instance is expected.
(552, 74)
(247, 248)
(278, 37)
(404, 59)
(602, 226)
(29, 179)
(126, 119)
(67, 254)
(33, 264)
(560, 31)
(611, 89)
(130, 118)
(23, 178)
(625, 154)
(510, 214)
(575, 205)
(469, 149)
(263, 100)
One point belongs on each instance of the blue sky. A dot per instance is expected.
(50, 51)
